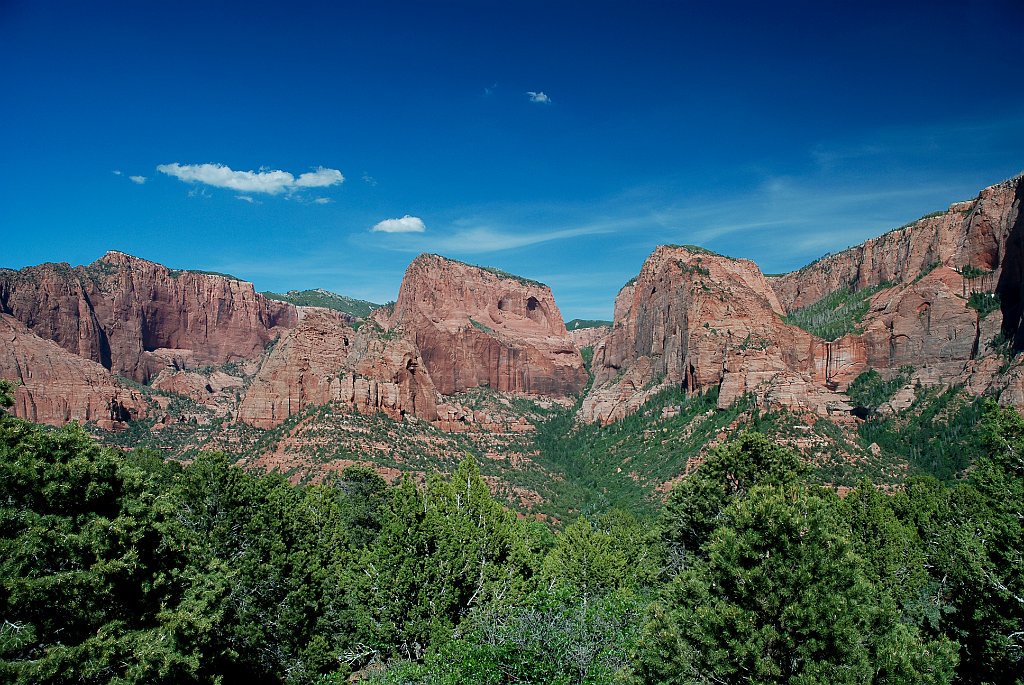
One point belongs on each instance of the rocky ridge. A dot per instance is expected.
(696, 320)
(55, 386)
(478, 328)
(240, 356)
(136, 318)
(589, 337)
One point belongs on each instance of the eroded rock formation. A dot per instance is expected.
(56, 386)
(478, 328)
(697, 320)
(324, 359)
(137, 318)
(181, 331)
(983, 233)
(589, 337)
(694, 319)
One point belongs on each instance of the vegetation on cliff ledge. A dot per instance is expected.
(577, 324)
(836, 314)
(325, 298)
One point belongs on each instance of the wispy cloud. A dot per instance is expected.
(270, 182)
(322, 201)
(138, 180)
(369, 180)
(245, 198)
(485, 239)
(489, 90)
(407, 224)
(539, 97)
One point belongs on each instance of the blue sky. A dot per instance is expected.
(558, 140)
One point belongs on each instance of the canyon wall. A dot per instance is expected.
(696, 320)
(475, 327)
(136, 318)
(80, 328)
(55, 386)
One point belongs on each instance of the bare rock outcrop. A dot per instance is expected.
(928, 270)
(697, 320)
(299, 370)
(323, 359)
(135, 317)
(56, 386)
(694, 319)
(981, 233)
(589, 337)
(475, 327)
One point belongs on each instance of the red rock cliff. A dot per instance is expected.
(695, 319)
(983, 233)
(324, 360)
(135, 317)
(56, 386)
(922, 319)
(474, 327)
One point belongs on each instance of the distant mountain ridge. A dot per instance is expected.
(318, 297)
(579, 324)
(261, 360)
(186, 361)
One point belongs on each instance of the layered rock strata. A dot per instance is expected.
(929, 270)
(589, 337)
(325, 360)
(137, 318)
(55, 386)
(697, 320)
(694, 319)
(209, 337)
(477, 328)
(985, 233)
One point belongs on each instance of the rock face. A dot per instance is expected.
(454, 327)
(589, 337)
(136, 318)
(697, 320)
(324, 359)
(56, 386)
(474, 327)
(985, 233)
(932, 266)
(72, 330)
(694, 319)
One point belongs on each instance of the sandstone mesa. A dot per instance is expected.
(79, 339)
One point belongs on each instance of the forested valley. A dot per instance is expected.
(120, 567)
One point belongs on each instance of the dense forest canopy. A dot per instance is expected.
(120, 567)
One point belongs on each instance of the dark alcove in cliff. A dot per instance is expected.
(1011, 281)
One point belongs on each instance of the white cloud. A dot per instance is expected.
(117, 172)
(485, 239)
(321, 178)
(138, 179)
(272, 182)
(407, 224)
(245, 198)
(322, 201)
(538, 97)
(369, 180)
